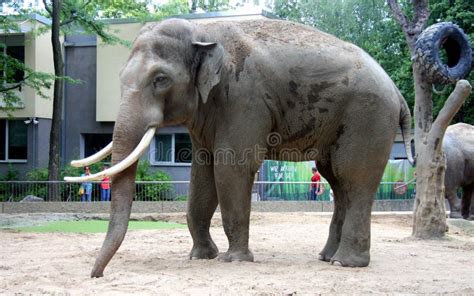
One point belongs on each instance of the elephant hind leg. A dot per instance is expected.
(354, 245)
(335, 228)
(466, 200)
(454, 204)
(358, 164)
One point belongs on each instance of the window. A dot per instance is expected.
(14, 47)
(93, 143)
(13, 140)
(171, 149)
(163, 144)
(183, 148)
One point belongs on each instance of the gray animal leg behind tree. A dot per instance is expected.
(335, 229)
(454, 203)
(466, 201)
(201, 207)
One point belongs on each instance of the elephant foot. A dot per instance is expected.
(328, 251)
(350, 259)
(468, 217)
(455, 215)
(326, 255)
(230, 256)
(209, 251)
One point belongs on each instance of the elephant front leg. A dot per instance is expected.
(201, 207)
(234, 192)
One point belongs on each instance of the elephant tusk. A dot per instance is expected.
(128, 161)
(106, 151)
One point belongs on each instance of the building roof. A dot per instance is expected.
(204, 15)
(22, 22)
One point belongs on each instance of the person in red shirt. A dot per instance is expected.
(105, 188)
(314, 188)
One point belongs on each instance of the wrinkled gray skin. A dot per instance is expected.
(458, 145)
(325, 98)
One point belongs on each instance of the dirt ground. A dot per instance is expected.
(285, 246)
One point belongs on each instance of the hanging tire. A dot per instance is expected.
(450, 38)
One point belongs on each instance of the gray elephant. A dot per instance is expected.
(458, 146)
(249, 91)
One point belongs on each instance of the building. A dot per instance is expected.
(24, 137)
(91, 106)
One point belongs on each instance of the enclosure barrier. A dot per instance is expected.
(149, 191)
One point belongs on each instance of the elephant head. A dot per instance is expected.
(171, 69)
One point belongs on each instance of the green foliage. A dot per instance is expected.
(5, 190)
(369, 25)
(68, 191)
(210, 5)
(181, 198)
(118, 8)
(9, 66)
(173, 7)
(152, 192)
(12, 174)
(39, 174)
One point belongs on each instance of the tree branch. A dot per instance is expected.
(450, 108)
(18, 85)
(66, 22)
(47, 8)
(411, 28)
(421, 16)
(87, 3)
(399, 16)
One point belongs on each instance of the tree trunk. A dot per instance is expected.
(429, 217)
(430, 214)
(55, 134)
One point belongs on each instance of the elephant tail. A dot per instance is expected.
(405, 126)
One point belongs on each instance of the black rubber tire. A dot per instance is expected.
(452, 39)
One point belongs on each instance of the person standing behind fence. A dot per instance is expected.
(105, 187)
(314, 188)
(87, 195)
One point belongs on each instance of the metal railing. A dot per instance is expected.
(14, 191)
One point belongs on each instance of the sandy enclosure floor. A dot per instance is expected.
(285, 246)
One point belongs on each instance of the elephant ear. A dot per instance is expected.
(210, 64)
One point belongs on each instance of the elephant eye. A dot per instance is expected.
(161, 80)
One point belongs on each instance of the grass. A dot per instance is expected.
(96, 226)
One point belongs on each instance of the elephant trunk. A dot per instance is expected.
(123, 191)
(129, 143)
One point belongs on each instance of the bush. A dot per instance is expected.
(6, 192)
(152, 192)
(181, 198)
(66, 191)
(145, 192)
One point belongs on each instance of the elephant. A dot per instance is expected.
(249, 91)
(458, 146)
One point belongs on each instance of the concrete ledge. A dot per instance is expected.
(180, 206)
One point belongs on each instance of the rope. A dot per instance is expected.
(405, 184)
